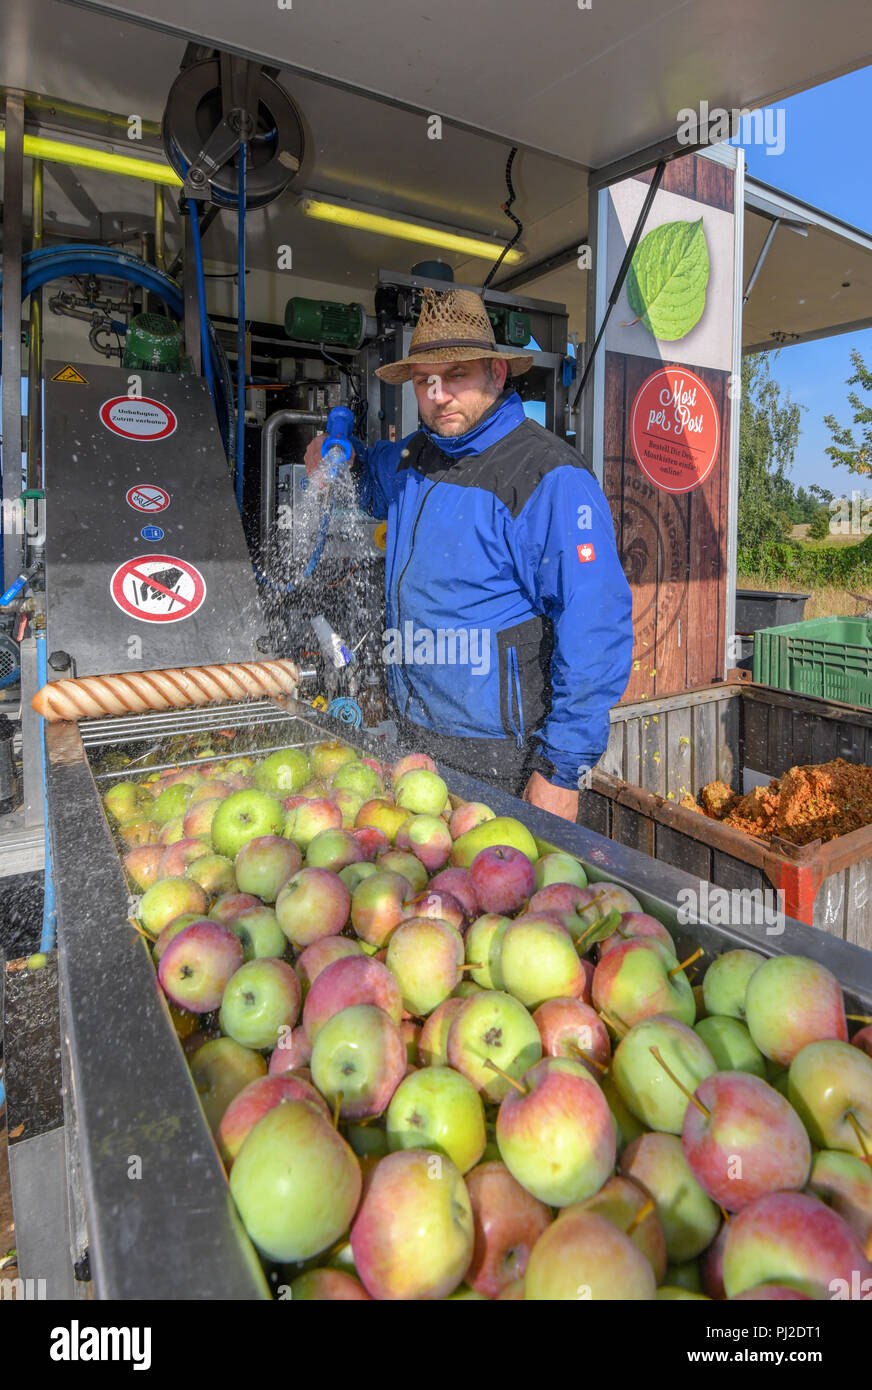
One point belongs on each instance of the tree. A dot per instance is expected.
(768, 436)
(845, 450)
(819, 526)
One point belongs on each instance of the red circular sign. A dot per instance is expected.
(138, 417)
(675, 430)
(148, 498)
(158, 588)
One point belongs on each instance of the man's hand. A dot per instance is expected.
(312, 457)
(560, 801)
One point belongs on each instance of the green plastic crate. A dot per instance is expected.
(828, 657)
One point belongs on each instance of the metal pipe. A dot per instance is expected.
(758, 265)
(13, 250)
(160, 246)
(268, 440)
(34, 358)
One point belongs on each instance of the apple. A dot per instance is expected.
(141, 865)
(169, 898)
(197, 822)
(458, 883)
(315, 790)
(322, 953)
(172, 802)
(558, 1137)
(538, 961)
(312, 904)
(327, 758)
(259, 931)
(420, 792)
(584, 1256)
(745, 1141)
(792, 1001)
(283, 771)
(358, 1060)
(403, 862)
(772, 1293)
(410, 1192)
(228, 906)
(238, 766)
(629, 1128)
(264, 865)
(689, 1217)
(172, 831)
(244, 816)
(639, 979)
(349, 803)
(295, 1182)
(409, 762)
(634, 925)
(501, 830)
(508, 1221)
(377, 906)
(197, 964)
(438, 1109)
(430, 903)
(493, 1027)
(256, 1100)
(556, 867)
(467, 817)
(845, 1184)
(563, 901)
(569, 1028)
(424, 954)
(484, 941)
(220, 1069)
(731, 1045)
(863, 1039)
(711, 1265)
(210, 789)
(830, 1085)
(502, 878)
(176, 858)
(793, 1239)
(411, 1031)
(725, 983)
(127, 801)
(371, 840)
(262, 997)
(328, 1286)
(433, 1037)
(428, 838)
(140, 832)
(334, 850)
(309, 818)
(383, 815)
(645, 1087)
(292, 1051)
(171, 931)
(347, 981)
(353, 874)
(214, 874)
(624, 1203)
(359, 778)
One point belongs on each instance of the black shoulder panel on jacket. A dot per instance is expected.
(511, 469)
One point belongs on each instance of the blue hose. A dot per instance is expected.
(240, 331)
(49, 909)
(201, 298)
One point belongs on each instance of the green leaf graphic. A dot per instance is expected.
(667, 279)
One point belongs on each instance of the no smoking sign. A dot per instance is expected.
(148, 498)
(158, 588)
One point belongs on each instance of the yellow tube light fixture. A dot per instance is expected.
(362, 220)
(58, 152)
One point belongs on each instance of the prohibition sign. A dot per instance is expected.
(157, 588)
(138, 417)
(148, 498)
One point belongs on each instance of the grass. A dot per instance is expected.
(827, 601)
(800, 533)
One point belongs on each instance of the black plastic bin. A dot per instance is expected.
(756, 608)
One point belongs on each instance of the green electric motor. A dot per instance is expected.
(154, 344)
(510, 326)
(325, 321)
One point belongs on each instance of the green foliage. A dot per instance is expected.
(667, 279)
(794, 566)
(768, 435)
(819, 526)
(845, 449)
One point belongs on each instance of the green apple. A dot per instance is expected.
(358, 1060)
(261, 999)
(282, 772)
(538, 961)
(358, 777)
(421, 792)
(220, 1069)
(845, 1184)
(327, 758)
(127, 801)
(725, 983)
(792, 1001)
(584, 1256)
(353, 874)
(623, 1202)
(493, 1028)
(645, 1087)
(172, 802)
(438, 1109)
(424, 954)
(259, 931)
(169, 898)
(689, 1218)
(638, 979)
(731, 1045)
(559, 868)
(502, 830)
(557, 1136)
(295, 1182)
(830, 1085)
(245, 816)
(214, 874)
(484, 941)
(398, 861)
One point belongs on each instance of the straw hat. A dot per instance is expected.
(453, 327)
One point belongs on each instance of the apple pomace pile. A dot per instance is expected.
(399, 1017)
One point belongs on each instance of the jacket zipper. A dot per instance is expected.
(399, 582)
(513, 690)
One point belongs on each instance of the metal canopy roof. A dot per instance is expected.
(590, 85)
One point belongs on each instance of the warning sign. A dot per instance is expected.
(158, 588)
(138, 417)
(69, 373)
(148, 498)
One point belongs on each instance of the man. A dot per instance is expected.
(508, 616)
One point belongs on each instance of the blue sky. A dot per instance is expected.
(825, 162)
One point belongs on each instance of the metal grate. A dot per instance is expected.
(170, 723)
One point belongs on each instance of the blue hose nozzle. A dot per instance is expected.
(340, 423)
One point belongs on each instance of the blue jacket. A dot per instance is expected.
(507, 611)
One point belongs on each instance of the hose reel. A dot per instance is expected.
(213, 107)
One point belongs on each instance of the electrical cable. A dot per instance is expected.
(201, 297)
(240, 330)
(507, 209)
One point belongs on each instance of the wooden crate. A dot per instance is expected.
(659, 750)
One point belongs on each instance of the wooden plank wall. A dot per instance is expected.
(673, 546)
